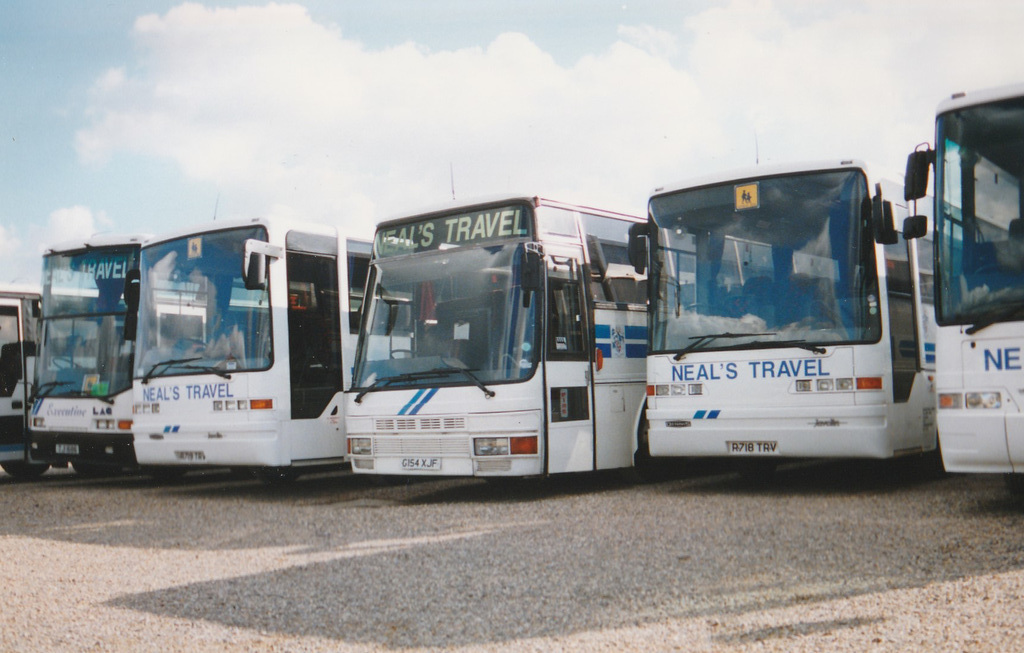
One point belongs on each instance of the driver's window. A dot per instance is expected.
(566, 332)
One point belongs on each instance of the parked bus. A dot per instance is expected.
(779, 327)
(979, 266)
(246, 329)
(82, 412)
(19, 331)
(500, 338)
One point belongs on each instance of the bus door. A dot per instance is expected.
(568, 374)
(314, 353)
(13, 382)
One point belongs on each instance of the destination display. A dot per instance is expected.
(454, 230)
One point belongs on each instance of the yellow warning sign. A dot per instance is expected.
(195, 247)
(746, 196)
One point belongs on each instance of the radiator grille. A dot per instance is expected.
(399, 446)
(419, 424)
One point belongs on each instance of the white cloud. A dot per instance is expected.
(288, 116)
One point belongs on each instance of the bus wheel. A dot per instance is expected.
(23, 470)
(166, 474)
(95, 471)
(277, 475)
(1014, 483)
(647, 467)
(757, 471)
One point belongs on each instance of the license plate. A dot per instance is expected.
(66, 449)
(424, 464)
(748, 447)
(190, 456)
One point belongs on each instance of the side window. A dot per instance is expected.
(902, 331)
(358, 269)
(10, 351)
(612, 278)
(566, 332)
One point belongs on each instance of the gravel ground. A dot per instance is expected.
(837, 556)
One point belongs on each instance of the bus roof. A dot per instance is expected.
(494, 200)
(983, 96)
(8, 289)
(96, 240)
(760, 171)
(224, 225)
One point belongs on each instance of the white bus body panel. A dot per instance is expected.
(189, 431)
(749, 406)
(982, 439)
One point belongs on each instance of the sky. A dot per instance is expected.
(141, 116)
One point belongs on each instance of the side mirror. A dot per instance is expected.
(637, 251)
(533, 273)
(915, 179)
(916, 226)
(255, 271)
(256, 255)
(882, 220)
(132, 292)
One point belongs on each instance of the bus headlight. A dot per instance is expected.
(360, 446)
(984, 400)
(490, 446)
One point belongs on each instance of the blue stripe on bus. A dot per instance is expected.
(605, 349)
(428, 397)
(636, 333)
(636, 351)
(603, 331)
(415, 398)
(706, 414)
(12, 448)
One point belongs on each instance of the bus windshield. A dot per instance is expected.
(447, 318)
(979, 232)
(83, 351)
(195, 314)
(768, 262)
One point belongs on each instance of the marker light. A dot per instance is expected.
(869, 383)
(824, 385)
(124, 424)
(803, 385)
(953, 400)
(523, 445)
(844, 384)
(261, 404)
(38, 422)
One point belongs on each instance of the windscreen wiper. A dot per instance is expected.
(700, 341)
(772, 344)
(50, 385)
(212, 369)
(1001, 314)
(406, 376)
(174, 361)
(458, 366)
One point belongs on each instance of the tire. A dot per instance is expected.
(277, 475)
(24, 471)
(1015, 484)
(647, 467)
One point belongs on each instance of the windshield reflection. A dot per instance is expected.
(450, 318)
(979, 230)
(778, 260)
(83, 350)
(195, 313)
